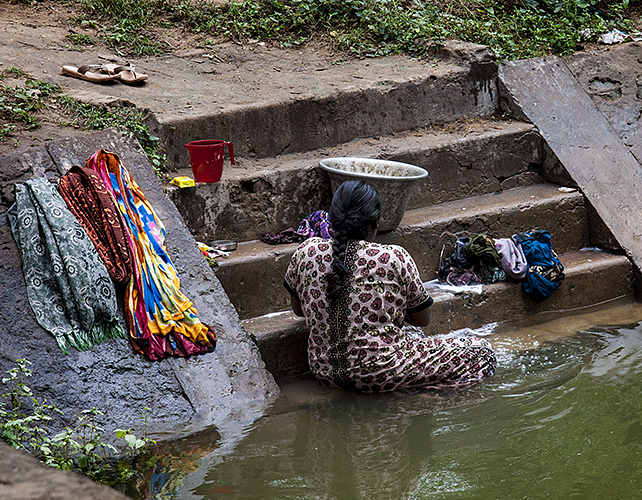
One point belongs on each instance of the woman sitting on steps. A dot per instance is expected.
(355, 295)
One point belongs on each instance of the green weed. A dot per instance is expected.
(13, 71)
(24, 425)
(92, 117)
(130, 20)
(19, 104)
(513, 29)
(78, 39)
(127, 34)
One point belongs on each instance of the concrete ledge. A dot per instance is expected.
(583, 140)
(591, 278)
(252, 276)
(23, 477)
(464, 159)
(227, 388)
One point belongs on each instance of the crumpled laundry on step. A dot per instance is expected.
(527, 257)
(481, 249)
(474, 261)
(545, 271)
(316, 224)
(513, 259)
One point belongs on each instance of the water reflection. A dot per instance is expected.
(338, 446)
(560, 419)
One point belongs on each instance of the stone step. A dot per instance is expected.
(287, 108)
(259, 195)
(592, 277)
(253, 274)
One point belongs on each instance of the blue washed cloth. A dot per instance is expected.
(545, 271)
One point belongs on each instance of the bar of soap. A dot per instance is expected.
(183, 182)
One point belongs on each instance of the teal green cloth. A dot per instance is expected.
(68, 286)
(482, 250)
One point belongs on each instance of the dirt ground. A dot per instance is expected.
(36, 39)
(191, 79)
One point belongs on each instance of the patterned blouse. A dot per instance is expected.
(359, 344)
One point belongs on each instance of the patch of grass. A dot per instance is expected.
(92, 117)
(78, 39)
(20, 104)
(13, 71)
(374, 28)
(129, 36)
(127, 32)
(512, 28)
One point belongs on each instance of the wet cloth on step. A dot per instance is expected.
(162, 321)
(316, 224)
(463, 277)
(68, 286)
(458, 261)
(545, 271)
(95, 208)
(481, 249)
(513, 259)
(474, 260)
(287, 236)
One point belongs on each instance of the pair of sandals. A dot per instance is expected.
(98, 73)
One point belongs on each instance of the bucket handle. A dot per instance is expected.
(230, 150)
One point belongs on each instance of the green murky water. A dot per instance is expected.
(561, 418)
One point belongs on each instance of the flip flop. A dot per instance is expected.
(125, 73)
(91, 72)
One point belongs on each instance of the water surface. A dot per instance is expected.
(561, 418)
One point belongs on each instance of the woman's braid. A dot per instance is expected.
(354, 214)
(338, 273)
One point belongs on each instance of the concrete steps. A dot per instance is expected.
(487, 174)
(295, 105)
(259, 195)
(592, 278)
(253, 274)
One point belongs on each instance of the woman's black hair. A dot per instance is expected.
(354, 214)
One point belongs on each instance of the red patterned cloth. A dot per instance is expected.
(93, 205)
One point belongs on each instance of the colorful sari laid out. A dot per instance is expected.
(162, 321)
(68, 286)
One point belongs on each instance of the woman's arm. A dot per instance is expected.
(419, 318)
(296, 305)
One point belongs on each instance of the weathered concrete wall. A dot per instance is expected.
(584, 142)
(270, 194)
(611, 78)
(502, 158)
(245, 208)
(227, 388)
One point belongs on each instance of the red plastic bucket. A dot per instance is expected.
(207, 159)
